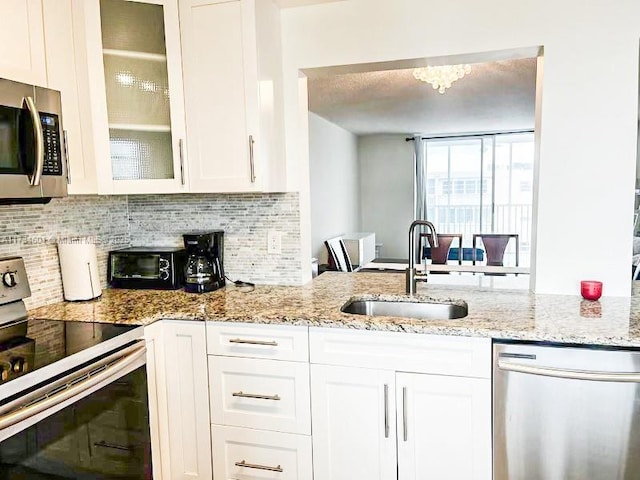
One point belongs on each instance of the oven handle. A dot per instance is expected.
(73, 377)
(570, 374)
(17, 416)
(34, 180)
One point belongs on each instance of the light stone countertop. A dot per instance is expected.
(505, 314)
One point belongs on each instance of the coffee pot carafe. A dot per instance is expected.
(204, 271)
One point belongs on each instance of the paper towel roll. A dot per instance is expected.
(79, 268)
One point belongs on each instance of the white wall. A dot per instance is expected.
(588, 128)
(386, 191)
(333, 165)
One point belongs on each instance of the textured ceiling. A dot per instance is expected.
(496, 96)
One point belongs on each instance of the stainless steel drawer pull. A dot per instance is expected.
(181, 152)
(252, 163)
(405, 426)
(259, 467)
(386, 411)
(253, 395)
(115, 446)
(267, 343)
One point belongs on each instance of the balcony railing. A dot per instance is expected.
(467, 220)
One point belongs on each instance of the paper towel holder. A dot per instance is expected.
(79, 269)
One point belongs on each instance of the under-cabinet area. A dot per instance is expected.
(302, 403)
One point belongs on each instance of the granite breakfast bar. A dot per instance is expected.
(504, 314)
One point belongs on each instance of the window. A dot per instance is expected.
(482, 184)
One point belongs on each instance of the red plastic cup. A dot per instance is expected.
(591, 289)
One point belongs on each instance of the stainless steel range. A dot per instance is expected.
(73, 397)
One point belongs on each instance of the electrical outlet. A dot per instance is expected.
(274, 242)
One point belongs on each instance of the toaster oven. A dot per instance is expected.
(147, 267)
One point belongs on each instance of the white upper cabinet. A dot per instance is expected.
(22, 53)
(136, 95)
(66, 72)
(233, 95)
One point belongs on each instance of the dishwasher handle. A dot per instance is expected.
(632, 377)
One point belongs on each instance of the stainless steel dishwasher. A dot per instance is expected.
(565, 413)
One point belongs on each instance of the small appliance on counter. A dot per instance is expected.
(79, 270)
(204, 271)
(160, 268)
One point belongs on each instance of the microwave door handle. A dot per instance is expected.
(34, 180)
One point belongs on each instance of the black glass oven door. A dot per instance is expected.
(102, 436)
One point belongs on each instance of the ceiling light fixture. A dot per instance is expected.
(441, 77)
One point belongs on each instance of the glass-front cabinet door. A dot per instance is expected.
(140, 52)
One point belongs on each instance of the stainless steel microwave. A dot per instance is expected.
(33, 160)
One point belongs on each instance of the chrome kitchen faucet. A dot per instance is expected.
(412, 276)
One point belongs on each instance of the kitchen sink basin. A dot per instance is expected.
(420, 310)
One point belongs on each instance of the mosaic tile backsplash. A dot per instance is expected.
(245, 218)
(32, 231)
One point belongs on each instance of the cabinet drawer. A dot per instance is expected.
(277, 342)
(256, 393)
(245, 454)
(408, 352)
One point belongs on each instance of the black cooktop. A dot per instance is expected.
(29, 345)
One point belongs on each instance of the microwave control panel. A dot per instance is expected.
(52, 147)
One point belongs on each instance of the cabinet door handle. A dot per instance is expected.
(251, 159)
(259, 467)
(386, 411)
(253, 395)
(181, 153)
(405, 427)
(66, 155)
(267, 343)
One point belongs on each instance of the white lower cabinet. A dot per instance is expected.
(353, 412)
(256, 393)
(248, 454)
(260, 401)
(444, 427)
(178, 400)
(383, 423)
(253, 402)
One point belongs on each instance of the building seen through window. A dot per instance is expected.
(482, 184)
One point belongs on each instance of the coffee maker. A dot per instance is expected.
(204, 271)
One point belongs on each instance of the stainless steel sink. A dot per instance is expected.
(421, 310)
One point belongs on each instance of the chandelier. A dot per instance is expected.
(443, 76)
